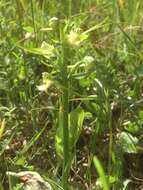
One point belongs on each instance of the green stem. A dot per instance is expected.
(20, 16)
(65, 110)
(110, 146)
(33, 20)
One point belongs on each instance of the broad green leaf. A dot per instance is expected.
(76, 118)
(59, 136)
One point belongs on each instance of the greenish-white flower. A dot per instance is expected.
(75, 38)
(46, 82)
(53, 21)
(89, 62)
(88, 59)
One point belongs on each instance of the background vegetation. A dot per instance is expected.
(71, 91)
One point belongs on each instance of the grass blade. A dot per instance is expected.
(101, 173)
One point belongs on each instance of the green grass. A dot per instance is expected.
(71, 89)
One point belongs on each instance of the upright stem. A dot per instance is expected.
(20, 17)
(110, 144)
(110, 150)
(33, 20)
(65, 110)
